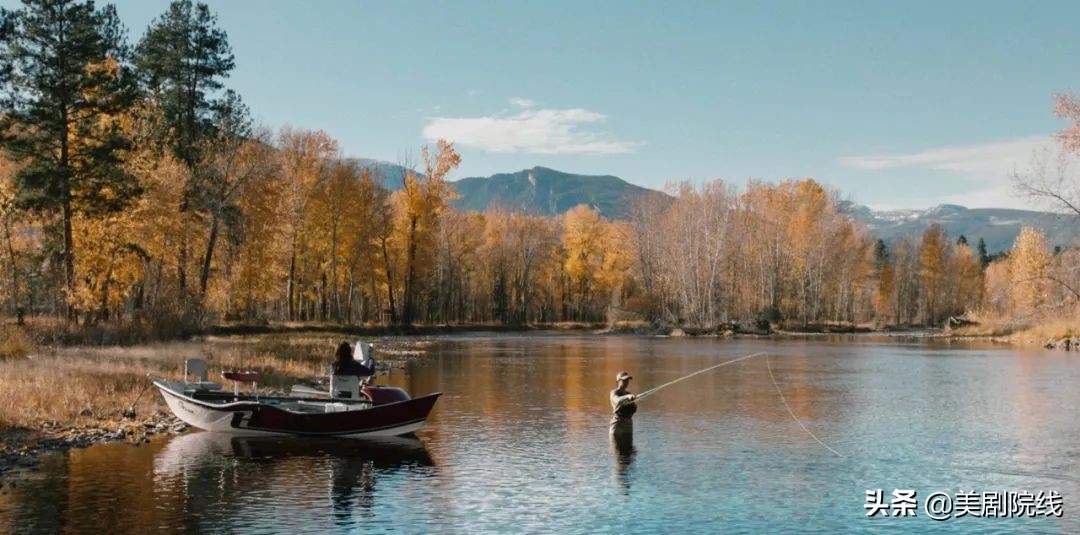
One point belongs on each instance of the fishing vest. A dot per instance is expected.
(628, 409)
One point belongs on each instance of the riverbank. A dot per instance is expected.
(60, 397)
(1052, 333)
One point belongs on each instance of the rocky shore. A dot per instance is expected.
(20, 448)
(1068, 343)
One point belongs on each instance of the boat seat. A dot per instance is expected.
(345, 386)
(197, 367)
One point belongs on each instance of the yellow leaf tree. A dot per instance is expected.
(933, 270)
(1028, 262)
(422, 201)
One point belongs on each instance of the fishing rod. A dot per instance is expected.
(768, 365)
(654, 390)
(130, 412)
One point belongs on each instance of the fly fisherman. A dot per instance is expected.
(622, 406)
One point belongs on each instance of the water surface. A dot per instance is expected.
(519, 443)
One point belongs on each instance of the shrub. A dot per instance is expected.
(14, 343)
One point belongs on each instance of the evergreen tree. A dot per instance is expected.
(181, 59)
(984, 257)
(962, 240)
(881, 254)
(63, 92)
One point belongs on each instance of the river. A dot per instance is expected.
(519, 444)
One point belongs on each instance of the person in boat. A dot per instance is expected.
(623, 406)
(347, 365)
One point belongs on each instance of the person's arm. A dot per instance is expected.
(618, 402)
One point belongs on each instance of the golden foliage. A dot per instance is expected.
(1028, 264)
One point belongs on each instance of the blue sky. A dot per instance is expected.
(896, 104)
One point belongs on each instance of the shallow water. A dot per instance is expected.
(519, 443)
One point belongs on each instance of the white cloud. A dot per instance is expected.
(988, 165)
(534, 131)
(522, 102)
(998, 157)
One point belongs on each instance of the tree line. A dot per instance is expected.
(135, 187)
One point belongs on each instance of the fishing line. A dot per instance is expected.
(652, 391)
(792, 413)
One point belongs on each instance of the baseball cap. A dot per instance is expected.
(623, 375)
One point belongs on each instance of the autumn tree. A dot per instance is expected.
(255, 259)
(531, 241)
(908, 292)
(306, 158)
(691, 262)
(998, 287)
(63, 90)
(1029, 260)
(17, 242)
(423, 199)
(182, 59)
(583, 238)
(388, 251)
(766, 212)
(933, 270)
(967, 279)
(233, 157)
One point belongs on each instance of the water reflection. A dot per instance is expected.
(217, 472)
(622, 454)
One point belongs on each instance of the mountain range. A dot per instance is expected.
(998, 227)
(544, 191)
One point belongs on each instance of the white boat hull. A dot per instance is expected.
(253, 418)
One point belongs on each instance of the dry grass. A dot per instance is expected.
(150, 326)
(91, 387)
(1033, 329)
(1050, 329)
(14, 343)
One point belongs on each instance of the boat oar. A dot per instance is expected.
(654, 390)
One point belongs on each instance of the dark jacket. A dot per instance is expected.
(352, 367)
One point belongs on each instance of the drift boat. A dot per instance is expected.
(350, 409)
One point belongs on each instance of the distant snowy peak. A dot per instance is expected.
(896, 216)
(998, 227)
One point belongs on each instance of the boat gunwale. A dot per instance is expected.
(163, 386)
